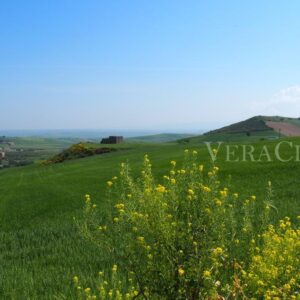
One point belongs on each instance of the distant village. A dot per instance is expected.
(6, 147)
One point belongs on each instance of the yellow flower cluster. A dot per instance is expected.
(217, 251)
(120, 206)
(188, 219)
(110, 183)
(224, 193)
(160, 189)
(274, 270)
(181, 271)
(110, 288)
(173, 163)
(206, 189)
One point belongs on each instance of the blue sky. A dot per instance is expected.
(141, 64)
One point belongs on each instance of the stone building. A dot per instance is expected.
(112, 140)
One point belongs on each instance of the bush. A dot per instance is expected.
(77, 151)
(181, 239)
(274, 269)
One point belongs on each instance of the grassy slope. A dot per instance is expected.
(159, 138)
(41, 250)
(35, 148)
(231, 137)
(43, 143)
(238, 131)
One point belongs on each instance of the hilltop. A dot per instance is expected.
(257, 127)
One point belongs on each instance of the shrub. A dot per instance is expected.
(273, 272)
(180, 239)
(77, 151)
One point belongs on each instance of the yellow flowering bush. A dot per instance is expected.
(179, 238)
(274, 270)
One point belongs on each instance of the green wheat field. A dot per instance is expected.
(41, 249)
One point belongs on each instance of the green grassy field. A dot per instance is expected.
(159, 138)
(27, 150)
(43, 143)
(41, 249)
(231, 137)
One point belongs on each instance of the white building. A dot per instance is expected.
(2, 155)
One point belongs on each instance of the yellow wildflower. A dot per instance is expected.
(161, 189)
(217, 251)
(207, 210)
(218, 202)
(75, 279)
(191, 192)
(181, 271)
(114, 268)
(120, 206)
(173, 163)
(206, 189)
(223, 193)
(141, 239)
(206, 274)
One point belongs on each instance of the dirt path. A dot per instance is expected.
(284, 128)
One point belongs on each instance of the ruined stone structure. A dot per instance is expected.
(112, 140)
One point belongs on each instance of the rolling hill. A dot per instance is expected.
(255, 128)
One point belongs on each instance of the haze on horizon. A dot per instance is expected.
(147, 65)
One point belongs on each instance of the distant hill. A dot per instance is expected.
(160, 138)
(258, 127)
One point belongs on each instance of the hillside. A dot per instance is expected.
(255, 128)
(38, 203)
(159, 138)
(22, 151)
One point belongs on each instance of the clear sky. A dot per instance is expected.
(140, 64)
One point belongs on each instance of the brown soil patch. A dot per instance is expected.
(284, 128)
